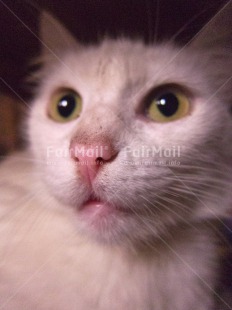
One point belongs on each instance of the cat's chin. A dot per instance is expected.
(101, 218)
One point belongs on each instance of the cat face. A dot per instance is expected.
(133, 138)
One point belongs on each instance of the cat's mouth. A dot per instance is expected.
(95, 207)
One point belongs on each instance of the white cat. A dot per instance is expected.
(115, 204)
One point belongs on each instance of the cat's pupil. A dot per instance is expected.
(168, 104)
(66, 105)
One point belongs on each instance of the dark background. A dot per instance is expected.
(89, 20)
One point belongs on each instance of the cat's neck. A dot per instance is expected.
(171, 270)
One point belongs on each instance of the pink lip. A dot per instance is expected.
(96, 208)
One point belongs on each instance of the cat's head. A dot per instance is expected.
(135, 139)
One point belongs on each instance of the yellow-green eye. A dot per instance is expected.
(65, 106)
(168, 106)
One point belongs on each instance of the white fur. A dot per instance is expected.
(162, 256)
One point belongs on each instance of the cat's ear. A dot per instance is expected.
(218, 31)
(54, 36)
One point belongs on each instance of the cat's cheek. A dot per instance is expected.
(65, 184)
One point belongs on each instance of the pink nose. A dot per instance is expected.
(91, 157)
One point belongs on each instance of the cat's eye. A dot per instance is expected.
(168, 106)
(65, 105)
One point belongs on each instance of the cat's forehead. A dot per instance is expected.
(117, 62)
(114, 66)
